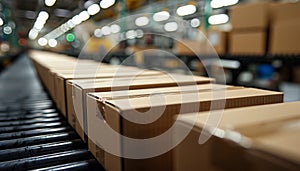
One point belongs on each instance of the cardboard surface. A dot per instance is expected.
(218, 40)
(248, 43)
(111, 110)
(260, 137)
(249, 16)
(81, 87)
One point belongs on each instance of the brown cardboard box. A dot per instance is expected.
(253, 138)
(218, 40)
(249, 16)
(191, 47)
(61, 80)
(285, 37)
(281, 12)
(247, 43)
(110, 110)
(77, 89)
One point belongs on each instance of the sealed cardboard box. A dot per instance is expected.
(191, 47)
(77, 90)
(281, 12)
(61, 80)
(107, 113)
(247, 43)
(249, 16)
(285, 37)
(252, 138)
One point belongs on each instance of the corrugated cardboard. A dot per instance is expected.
(82, 87)
(247, 43)
(252, 138)
(281, 12)
(249, 16)
(112, 109)
(61, 80)
(285, 37)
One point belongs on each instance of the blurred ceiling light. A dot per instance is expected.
(93, 9)
(186, 10)
(142, 21)
(70, 23)
(52, 43)
(139, 33)
(42, 41)
(195, 22)
(50, 3)
(43, 15)
(7, 30)
(222, 3)
(161, 16)
(84, 15)
(88, 3)
(98, 33)
(39, 25)
(171, 26)
(32, 34)
(107, 3)
(1, 22)
(105, 30)
(218, 19)
(131, 34)
(115, 28)
(76, 20)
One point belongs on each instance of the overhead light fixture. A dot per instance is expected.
(139, 33)
(52, 43)
(50, 3)
(88, 3)
(142, 21)
(42, 41)
(115, 28)
(186, 10)
(1, 22)
(195, 22)
(107, 3)
(171, 26)
(93, 9)
(161, 16)
(33, 34)
(98, 33)
(84, 15)
(43, 15)
(105, 30)
(131, 34)
(218, 19)
(222, 3)
(76, 20)
(7, 30)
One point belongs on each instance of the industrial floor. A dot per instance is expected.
(33, 134)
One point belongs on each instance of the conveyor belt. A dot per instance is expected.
(33, 134)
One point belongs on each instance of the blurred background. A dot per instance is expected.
(257, 41)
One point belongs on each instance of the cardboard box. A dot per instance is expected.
(102, 113)
(285, 37)
(248, 43)
(281, 12)
(61, 81)
(252, 138)
(249, 16)
(77, 90)
(192, 47)
(218, 39)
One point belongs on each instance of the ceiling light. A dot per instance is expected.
(107, 3)
(76, 20)
(93, 9)
(1, 22)
(52, 43)
(161, 16)
(131, 34)
(50, 3)
(7, 30)
(42, 41)
(84, 15)
(141, 21)
(32, 34)
(139, 33)
(115, 28)
(98, 33)
(171, 26)
(88, 3)
(43, 15)
(195, 22)
(105, 30)
(218, 19)
(222, 3)
(186, 10)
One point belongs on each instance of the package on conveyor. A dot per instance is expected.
(77, 90)
(253, 138)
(145, 117)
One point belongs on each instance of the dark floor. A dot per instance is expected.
(33, 135)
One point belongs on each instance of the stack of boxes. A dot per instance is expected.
(91, 98)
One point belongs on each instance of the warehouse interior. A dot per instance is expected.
(124, 85)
